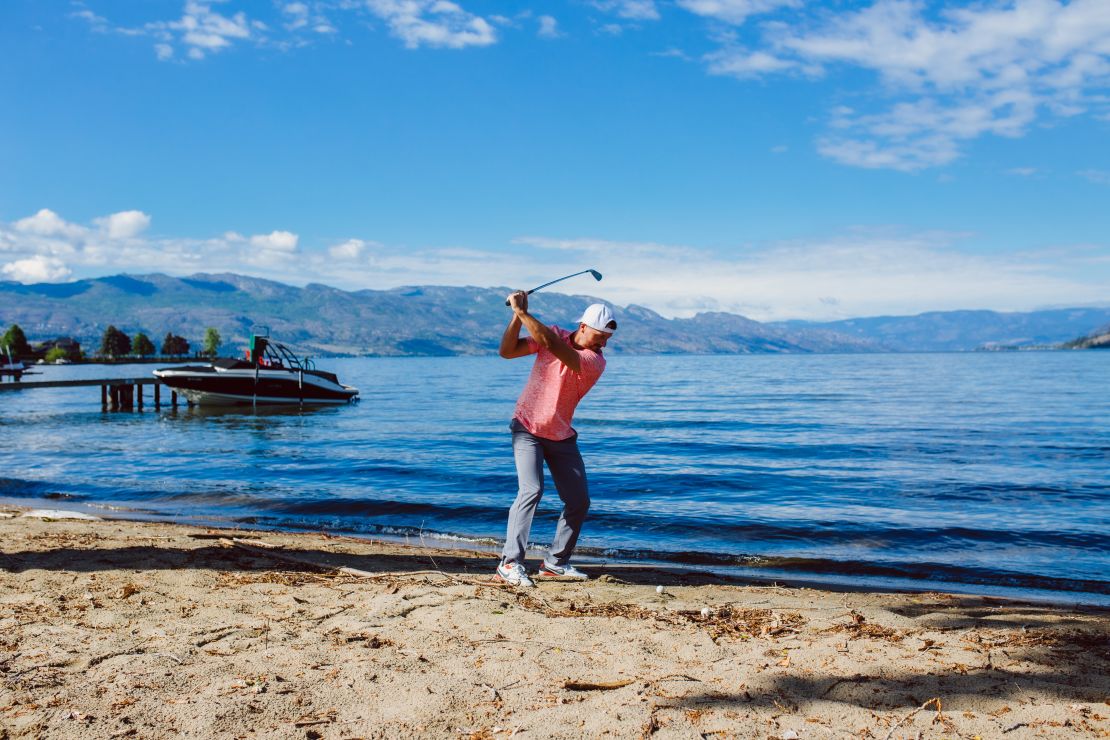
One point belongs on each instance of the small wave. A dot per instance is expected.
(916, 571)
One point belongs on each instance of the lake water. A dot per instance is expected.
(982, 472)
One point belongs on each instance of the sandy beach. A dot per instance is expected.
(112, 628)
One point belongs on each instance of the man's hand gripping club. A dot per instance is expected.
(512, 345)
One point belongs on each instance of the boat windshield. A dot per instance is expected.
(278, 355)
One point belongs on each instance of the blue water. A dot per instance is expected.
(978, 472)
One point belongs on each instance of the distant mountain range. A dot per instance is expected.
(959, 331)
(438, 320)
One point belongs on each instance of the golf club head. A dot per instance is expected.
(596, 274)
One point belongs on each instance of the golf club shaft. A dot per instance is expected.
(595, 273)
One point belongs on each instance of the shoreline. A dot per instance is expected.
(117, 627)
(766, 575)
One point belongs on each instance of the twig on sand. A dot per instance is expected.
(676, 677)
(309, 722)
(141, 651)
(256, 543)
(217, 637)
(935, 701)
(424, 545)
(329, 615)
(570, 685)
(108, 656)
(652, 725)
(549, 648)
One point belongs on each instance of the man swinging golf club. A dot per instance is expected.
(567, 365)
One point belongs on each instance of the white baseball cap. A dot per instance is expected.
(599, 316)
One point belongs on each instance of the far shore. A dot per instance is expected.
(119, 361)
(116, 628)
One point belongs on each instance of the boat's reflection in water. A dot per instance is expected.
(254, 416)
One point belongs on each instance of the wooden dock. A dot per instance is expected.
(116, 394)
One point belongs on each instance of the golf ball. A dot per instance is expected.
(659, 589)
(706, 611)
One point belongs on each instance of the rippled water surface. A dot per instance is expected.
(985, 472)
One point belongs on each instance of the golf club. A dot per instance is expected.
(595, 273)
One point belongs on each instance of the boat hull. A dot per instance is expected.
(211, 386)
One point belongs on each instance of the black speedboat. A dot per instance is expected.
(270, 374)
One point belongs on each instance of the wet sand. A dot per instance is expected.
(116, 628)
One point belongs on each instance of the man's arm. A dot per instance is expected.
(512, 344)
(542, 334)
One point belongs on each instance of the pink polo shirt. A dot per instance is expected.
(546, 405)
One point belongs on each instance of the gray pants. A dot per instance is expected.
(569, 474)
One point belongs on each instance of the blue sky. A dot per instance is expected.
(776, 158)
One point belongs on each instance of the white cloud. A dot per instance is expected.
(204, 31)
(947, 77)
(1022, 171)
(549, 27)
(435, 23)
(199, 31)
(45, 246)
(350, 250)
(672, 53)
(633, 10)
(1099, 177)
(855, 274)
(734, 11)
(859, 274)
(124, 224)
(37, 269)
(276, 241)
(296, 14)
(744, 63)
(48, 223)
(98, 23)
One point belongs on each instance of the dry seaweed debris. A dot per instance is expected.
(746, 623)
(1089, 641)
(860, 627)
(226, 579)
(740, 624)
